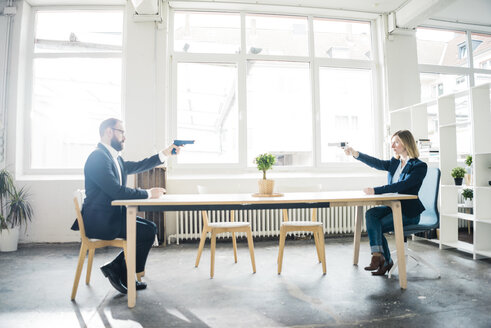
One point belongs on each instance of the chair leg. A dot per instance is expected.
(80, 264)
(420, 259)
(251, 249)
(317, 246)
(234, 242)
(213, 246)
(201, 245)
(395, 266)
(322, 249)
(89, 265)
(139, 275)
(282, 248)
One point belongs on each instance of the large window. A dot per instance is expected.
(450, 61)
(76, 83)
(247, 84)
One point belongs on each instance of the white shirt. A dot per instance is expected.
(114, 154)
(397, 173)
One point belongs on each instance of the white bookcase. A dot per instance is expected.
(464, 128)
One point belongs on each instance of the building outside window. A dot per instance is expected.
(250, 83)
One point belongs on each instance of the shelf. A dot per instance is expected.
(462, 216)
(463, 206)
(455, 124)
(488, 221)
(463, 246)
(451, 186)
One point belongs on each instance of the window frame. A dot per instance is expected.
(241, 60)
(468, 71)
(27, 168)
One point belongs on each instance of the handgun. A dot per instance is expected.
(341, 144)
(181, 143)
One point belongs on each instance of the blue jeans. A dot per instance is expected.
(379, 220)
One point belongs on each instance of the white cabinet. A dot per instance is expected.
(464, 128)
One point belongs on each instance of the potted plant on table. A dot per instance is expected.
(458, 174)
(15, 209)
(468, 174)
(265, 162)
(468, 194)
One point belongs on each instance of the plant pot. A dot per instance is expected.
(265, 186)
(468, 202)
(458, 181)
(9, 238)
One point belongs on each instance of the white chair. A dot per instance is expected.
(221, 227)
(313, 226)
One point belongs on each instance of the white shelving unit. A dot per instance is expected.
(464, 128)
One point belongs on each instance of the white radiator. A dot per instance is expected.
(266, 223)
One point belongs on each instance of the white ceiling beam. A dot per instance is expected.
(413, 13)
(146, 7)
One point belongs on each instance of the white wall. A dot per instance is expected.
(144, 109)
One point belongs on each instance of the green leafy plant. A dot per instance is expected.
(458, 172)
(468, 193)
(468, 160)
(265, 162)
(15, 207)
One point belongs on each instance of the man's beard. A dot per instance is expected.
(116, 144)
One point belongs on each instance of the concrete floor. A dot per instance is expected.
(36, 281)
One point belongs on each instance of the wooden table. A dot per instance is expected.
(194, 202)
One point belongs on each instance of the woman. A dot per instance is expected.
(405, 176)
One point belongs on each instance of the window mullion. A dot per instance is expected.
(242, 94)
(470, 58)
(314, 87)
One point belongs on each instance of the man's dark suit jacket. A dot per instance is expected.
(410, 180)
(101, 220)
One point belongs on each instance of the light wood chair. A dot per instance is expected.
(221, 227)
(90, 245)
(313, 226)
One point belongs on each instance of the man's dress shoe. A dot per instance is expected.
(139, 284)
(113, 272)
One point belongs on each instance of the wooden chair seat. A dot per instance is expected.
(228, 224)
(301, 224)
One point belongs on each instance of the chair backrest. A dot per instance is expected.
(428, 194)
(78, 200)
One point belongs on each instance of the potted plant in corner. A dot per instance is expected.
(15, 209)
(468, 174)
(458, 174)
(265, 162)
(468, 194)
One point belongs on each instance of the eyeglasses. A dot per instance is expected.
(121, 131)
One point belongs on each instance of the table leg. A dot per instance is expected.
(131, 253)
(399, 233)
(357, 236)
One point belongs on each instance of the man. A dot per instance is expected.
(105, 180)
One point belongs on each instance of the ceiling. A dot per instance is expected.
(465, 11)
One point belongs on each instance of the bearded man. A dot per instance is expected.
(105, 180)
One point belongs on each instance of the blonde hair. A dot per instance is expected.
(408, 142)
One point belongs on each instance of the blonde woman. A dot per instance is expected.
(405, 175)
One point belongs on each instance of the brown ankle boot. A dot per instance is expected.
(383, 269)
(376, 263)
